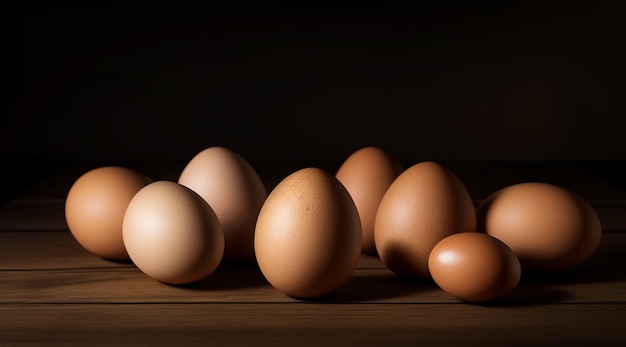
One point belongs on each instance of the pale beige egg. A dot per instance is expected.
(172, 234)
(234, 190)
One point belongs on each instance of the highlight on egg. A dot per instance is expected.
(95, 206)
(234, 190)
(308, 235)
(474, 267)
(423, 205)
(172, 234)
(548, 227)
(366, 174)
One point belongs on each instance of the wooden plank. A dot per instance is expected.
(27, 250)
(40, 250)
(52, 267)
(129, 285)
(52, 291)
(305, 324)
(233, 286)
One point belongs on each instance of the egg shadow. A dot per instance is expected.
(125, 262)
(606, 265)
(230, 277)
(528, 294)
(576, 276)
(59, 278)
(537, 289)
(372, 286)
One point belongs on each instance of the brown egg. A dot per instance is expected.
(366, 174)
(236, 193)
(474, 267)
(548, 227)
(172, 234)
(308, 234)
(95, 207)
(426, 203)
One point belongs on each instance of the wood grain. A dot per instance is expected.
(129, 285)
(54, 292)
(50, 267)
(304, 324)
(43, 250)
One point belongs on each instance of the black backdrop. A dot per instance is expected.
(434, 80)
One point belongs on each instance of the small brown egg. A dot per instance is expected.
(474, 267)
(172, 234)
(95, 207)
(234, 191)
(426, 203)
(366, 174)
(308, 235)
(548, 227)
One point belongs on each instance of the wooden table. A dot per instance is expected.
(54, 292)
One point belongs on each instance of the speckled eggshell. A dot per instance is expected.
(172, 234)
(474, 267)
(95, 206)
(234, 191)
(366, 174)
(549, 227)
(308, 235)
(424, 204)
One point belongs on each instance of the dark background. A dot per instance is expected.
(437, 80)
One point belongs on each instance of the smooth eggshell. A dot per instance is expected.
(236, 193)
(172, 234)
(95, 206)
(308, 234)
(423, 205)
(474, 267)
(549, 227)
(366, 174)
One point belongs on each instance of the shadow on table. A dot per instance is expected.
(379, 287)
(229, 279)
(529, 294)
(550, 288)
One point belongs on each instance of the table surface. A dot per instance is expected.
(54, 292)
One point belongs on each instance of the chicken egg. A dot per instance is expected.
(234, 190)
(95, 206)
(172, 234)
(366, 174)
(549, 227)
(308, 234)
(424, 204)
(474, 267)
